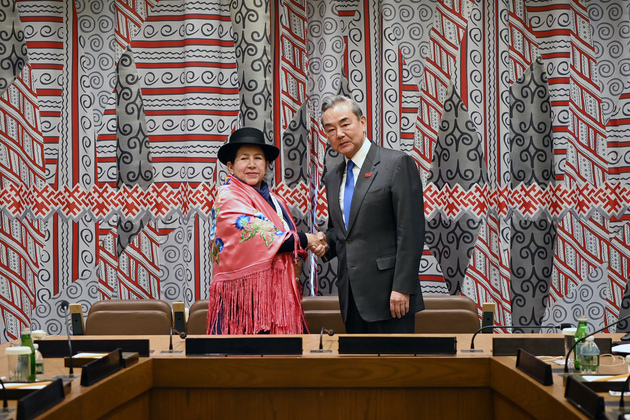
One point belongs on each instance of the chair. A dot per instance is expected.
(197, 317)
(323, 311)
(448, 314)
(129, 317)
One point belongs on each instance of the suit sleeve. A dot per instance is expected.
(408, 205)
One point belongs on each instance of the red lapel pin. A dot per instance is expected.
(368, 174)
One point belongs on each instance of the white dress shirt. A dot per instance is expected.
(358, 159)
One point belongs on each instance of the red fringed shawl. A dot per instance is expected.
(253, 287)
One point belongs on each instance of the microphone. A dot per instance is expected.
(330, 332)
(580, 340)
(182, 335)
(5, 400)
(64, 305)
(487, 327)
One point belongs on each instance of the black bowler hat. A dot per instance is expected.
(246, 136)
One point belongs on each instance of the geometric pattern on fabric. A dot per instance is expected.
(403, 45)
(457, 161)
(133, 151)
(12, 46)
(21, 238)
(588, 298)
(397, 58)
(290, 116)
(163, 201)
(531, 162)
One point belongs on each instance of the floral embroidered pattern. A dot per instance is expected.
(216, 243)
(258, 225)
(215, 249)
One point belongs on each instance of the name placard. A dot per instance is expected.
(101, 368)
(509, 344)
(585, 399)
(37, 402)
(59, 348)
(243, 346)
(534, 367)
(397, 345)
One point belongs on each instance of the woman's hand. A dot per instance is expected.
(297, 266)
(317, 243)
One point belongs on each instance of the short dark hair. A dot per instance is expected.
(331, 101)
(231, 155)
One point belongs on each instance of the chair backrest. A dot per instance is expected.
(128, 323)
(323, 312)
(449, 302)
(197, 317)
(311, 303)
(447, 314)
(129, 317)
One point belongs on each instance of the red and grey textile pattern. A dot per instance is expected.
(541, 81)
(22, 238)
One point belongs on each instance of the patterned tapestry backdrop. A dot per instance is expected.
(112, 111)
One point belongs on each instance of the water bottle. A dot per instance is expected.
(589, 356)
(27, 341)
(39, 362)
(580, 333)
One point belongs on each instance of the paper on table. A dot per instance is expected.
(600, 378)
(26, 385)
(622, 348)
(89, 355)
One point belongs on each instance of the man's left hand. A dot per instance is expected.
(398, 304)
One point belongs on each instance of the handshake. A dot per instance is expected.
(317, 243)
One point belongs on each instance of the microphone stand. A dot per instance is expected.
(321, 340)
(64, 305)
(182, 335)
(623, 389)
(581, 340)
(490, 327)
(5, 400)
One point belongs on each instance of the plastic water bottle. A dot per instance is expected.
(39, 362)
(580, 333)
(589, 356)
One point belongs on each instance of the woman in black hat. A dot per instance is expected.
(255, 246)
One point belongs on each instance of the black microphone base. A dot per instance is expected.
(617, 413)
(171, 351)
(625, 337)
(67, 378)
(471, 351)
(321, 351)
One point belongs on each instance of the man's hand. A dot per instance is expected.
(318, 243)
(398, 304)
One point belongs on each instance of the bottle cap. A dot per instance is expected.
(38, 334)
(26, 330)
(582, 318)
(18, 350)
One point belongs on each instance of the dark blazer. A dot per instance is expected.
(382, 248)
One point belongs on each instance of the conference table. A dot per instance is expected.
(313, 385)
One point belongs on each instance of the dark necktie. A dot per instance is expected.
(347, 198)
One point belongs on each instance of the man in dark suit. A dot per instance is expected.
(375, 225)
